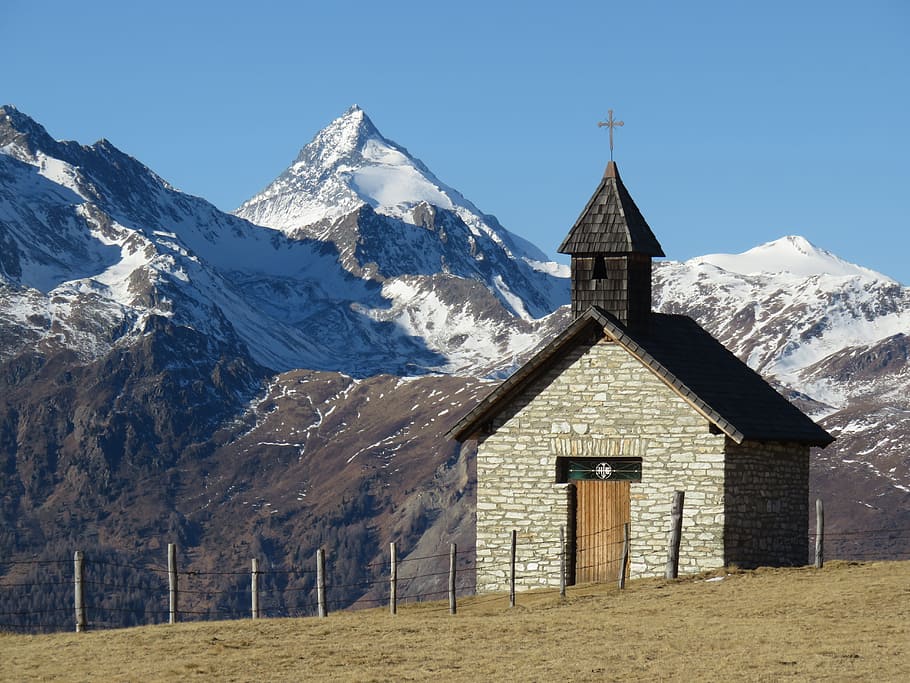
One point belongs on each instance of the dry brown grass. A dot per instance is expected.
(846, 622)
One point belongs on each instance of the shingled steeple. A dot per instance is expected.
(611, 247)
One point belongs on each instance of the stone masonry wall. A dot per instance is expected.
(767, 502)
(597, 401)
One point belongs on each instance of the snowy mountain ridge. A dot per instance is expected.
(94, 243)
(93, 240)
(788, 305)
(350, 163)
(381, 206)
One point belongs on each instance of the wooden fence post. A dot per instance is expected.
(624, 565)
(393, 580)
(172, 581)
(512, 570)
(562, 562)
(676, 515)
(254, 589)
(320, 582)
(819, 534)
(79, 590)
(453, 554)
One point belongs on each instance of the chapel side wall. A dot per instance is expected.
(598, 400)
(767, 502)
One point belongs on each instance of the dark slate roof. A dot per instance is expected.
(698, 367)
(611, 223)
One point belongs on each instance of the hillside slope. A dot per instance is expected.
(845, 622)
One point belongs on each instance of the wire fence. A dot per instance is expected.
(39, 595)
(866, 545)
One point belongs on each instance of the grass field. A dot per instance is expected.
(846, 622)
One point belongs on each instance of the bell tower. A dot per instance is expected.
(611, 247)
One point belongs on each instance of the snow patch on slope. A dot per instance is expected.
(467, 340)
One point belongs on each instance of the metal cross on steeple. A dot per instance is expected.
(610, 123)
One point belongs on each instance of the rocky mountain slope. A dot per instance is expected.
(142, 329)
(389, 216)
(454, 277)
(268, 383)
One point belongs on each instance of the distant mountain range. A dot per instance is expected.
(95, 241)
(281, 378)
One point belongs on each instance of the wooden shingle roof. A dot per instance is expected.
(728, 393)
(611, 223)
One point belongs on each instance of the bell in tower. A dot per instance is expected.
(611, 247)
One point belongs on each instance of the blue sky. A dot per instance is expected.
(744, 122)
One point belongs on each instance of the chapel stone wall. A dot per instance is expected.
(598, 400)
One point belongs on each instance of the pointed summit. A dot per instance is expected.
(389, 216)
(349, 164)
(344, 136)
(355, 113)
(19, 128)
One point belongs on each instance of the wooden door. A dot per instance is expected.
(603, 508)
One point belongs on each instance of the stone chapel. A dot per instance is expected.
(621, 409)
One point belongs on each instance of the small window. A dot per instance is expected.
(602, 469)
(600, 268)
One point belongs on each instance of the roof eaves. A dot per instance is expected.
(805, 440)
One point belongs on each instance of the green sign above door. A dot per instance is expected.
(605, 469)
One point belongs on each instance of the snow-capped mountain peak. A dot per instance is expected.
(347, 164)
(388, 216)
(791, 254)
(790, 305)
(339, 141)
